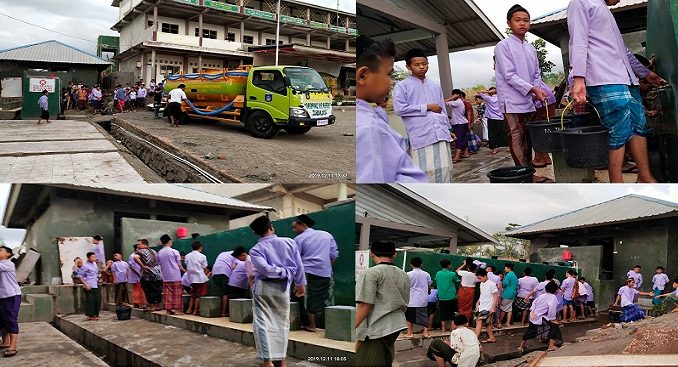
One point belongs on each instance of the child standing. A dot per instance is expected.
(382, 295)
(659, 281)
(607, 72)
(568, 295)
(590, 300)
(486, 305)
(417, 308)
(381, 153)
(673, 296)
(637, 277)
(10, 302)
(446, 281)
(196, 268)
(432, 307)
(43, 103)
(526, 285)
(495, 119)
(120, 269)
(89, 273)
(510, 289)
(420, 103)
(517, 72)
(542, 314)
(583, 297)
(460, 125)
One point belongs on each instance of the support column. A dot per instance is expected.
(348, 45)
(144, 66)
(200, 63)
(443, 52)
(453, 241)
(329, 42)
(200, 28)
(186, 66)
(155, 23)
(364, 237)
(154, 72)
(242, 32)
(308, 39)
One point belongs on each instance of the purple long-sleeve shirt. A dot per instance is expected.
(276, 257)
(381, 153)
(43, 102)
(169, 260)
(550, 97)
(516, 71)
(424, 127)
(238, 276)
(133, 276)
(457, 112)
(597, 50)
(659, 281)
(120, 270)
(317, 250)
(544, 306)
(223, 265)
(89, 273)
(98, 250)
(638, 277)
(9, 287)
(492, 110)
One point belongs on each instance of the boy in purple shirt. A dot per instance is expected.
(517, 73)
(495, 120)
(89, 273)
(318, 250)
(223, 268)
(417, 308)
(277, 264)
(607, 72)
(120, 269)
(526, 285)
(627, 296)
(460, 125)
(10, 302)
(170, 269)
(659, 281)
(420, 103)
(381, 153)
(542, 314)
(569, 285)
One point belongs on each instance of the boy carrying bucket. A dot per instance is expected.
(607, 72)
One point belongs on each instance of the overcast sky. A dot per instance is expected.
(473, 67)
(83, 18)
(491, 207)
(12, 237)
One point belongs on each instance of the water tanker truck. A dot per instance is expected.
(265, 98)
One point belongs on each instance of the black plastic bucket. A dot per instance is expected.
(517, 174)
(544, 135)
(586, 147)
(123, 312)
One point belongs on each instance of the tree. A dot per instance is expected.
(399, 74)
(545, 65)
(508, 247)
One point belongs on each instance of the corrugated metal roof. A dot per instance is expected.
(399, 204)
(628, 208)
(172, 192)
(561, 15)
(466, 25)
(51, 52)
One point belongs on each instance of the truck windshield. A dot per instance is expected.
(306, 80)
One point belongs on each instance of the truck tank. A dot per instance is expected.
(217, 88)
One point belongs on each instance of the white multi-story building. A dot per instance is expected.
(161, 37)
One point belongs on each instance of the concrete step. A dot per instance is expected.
(139, 342)
(302, 344)
(33, 289)
(26, 311)
(68, 298)
(43, 307)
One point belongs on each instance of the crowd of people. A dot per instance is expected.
(602, 73)
(273, 272)
(390, 301)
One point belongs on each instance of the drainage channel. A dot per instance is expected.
(170, 166)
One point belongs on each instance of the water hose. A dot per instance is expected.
(210, 113)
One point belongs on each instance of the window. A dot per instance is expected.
(166, 70)
(150, 23)
(271, 42)
(206, 33)
(170, 28)
(248, 39)
(230, 37)
(270, 80)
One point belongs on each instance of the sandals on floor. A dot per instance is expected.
(10, 353)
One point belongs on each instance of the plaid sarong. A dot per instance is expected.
(632, 312)
(435, 161)
(473, 142)
(621, 110)
(521, 304)
(271, 318)
(171, 295)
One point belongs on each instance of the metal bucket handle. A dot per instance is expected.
(562, 115)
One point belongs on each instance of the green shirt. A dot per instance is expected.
(387, 288)
(510, 284)
(446, 281)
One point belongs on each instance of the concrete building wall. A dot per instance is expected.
(134, 229)
(672, 250)
(646, 247)
(322, 66)
(130, 35)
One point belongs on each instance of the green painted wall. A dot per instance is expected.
(589, 260)
(647, 248)
(134, 229)
(338, 220)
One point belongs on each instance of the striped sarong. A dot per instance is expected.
(435, 161)
(621, 110)
(632, 312)
(271, 318)
(171, 295)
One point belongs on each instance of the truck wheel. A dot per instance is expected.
(185, 119)
(260, 125)
(297, 130)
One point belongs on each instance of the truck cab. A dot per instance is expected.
(293, 98)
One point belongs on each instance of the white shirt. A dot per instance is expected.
(132, 95)
(196, 263)
(465, 342)
(582, 290)
(468, 279)
(177, 95)
(487, 292)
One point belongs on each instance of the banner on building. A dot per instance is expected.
(37, 85)
(362, 261)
